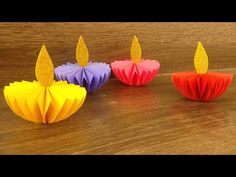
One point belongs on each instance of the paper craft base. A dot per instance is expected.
(92, 77)
(46, 105)
(135, 74)
(201, 87)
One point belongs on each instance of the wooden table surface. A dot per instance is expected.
(118, 119)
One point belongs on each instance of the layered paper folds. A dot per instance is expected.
(92, 76)
(40, 104)
(135, 74)
(201, 87)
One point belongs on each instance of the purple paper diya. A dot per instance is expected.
(91, 75)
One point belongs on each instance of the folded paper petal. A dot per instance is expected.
(92, 77)
(39, 104)
(135, 74)
(201, 87)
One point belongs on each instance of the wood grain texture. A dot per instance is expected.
(118, 119)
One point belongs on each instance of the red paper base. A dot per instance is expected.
(201, 87)
(135, 74)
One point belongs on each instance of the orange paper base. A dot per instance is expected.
(201, 87)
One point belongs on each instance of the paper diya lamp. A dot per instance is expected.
(44, 101)
(137, 71)
(201, 85)
(91, 75)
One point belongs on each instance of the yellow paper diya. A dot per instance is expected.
(44, 101)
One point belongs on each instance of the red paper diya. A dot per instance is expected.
(202, 85)
(137, 71)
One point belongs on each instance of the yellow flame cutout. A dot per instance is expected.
(135, 51)
(44, 69)
(82, 55)
(201, 59)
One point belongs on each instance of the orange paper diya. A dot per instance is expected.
(137, 71)
(44, 101)
(202, 85)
